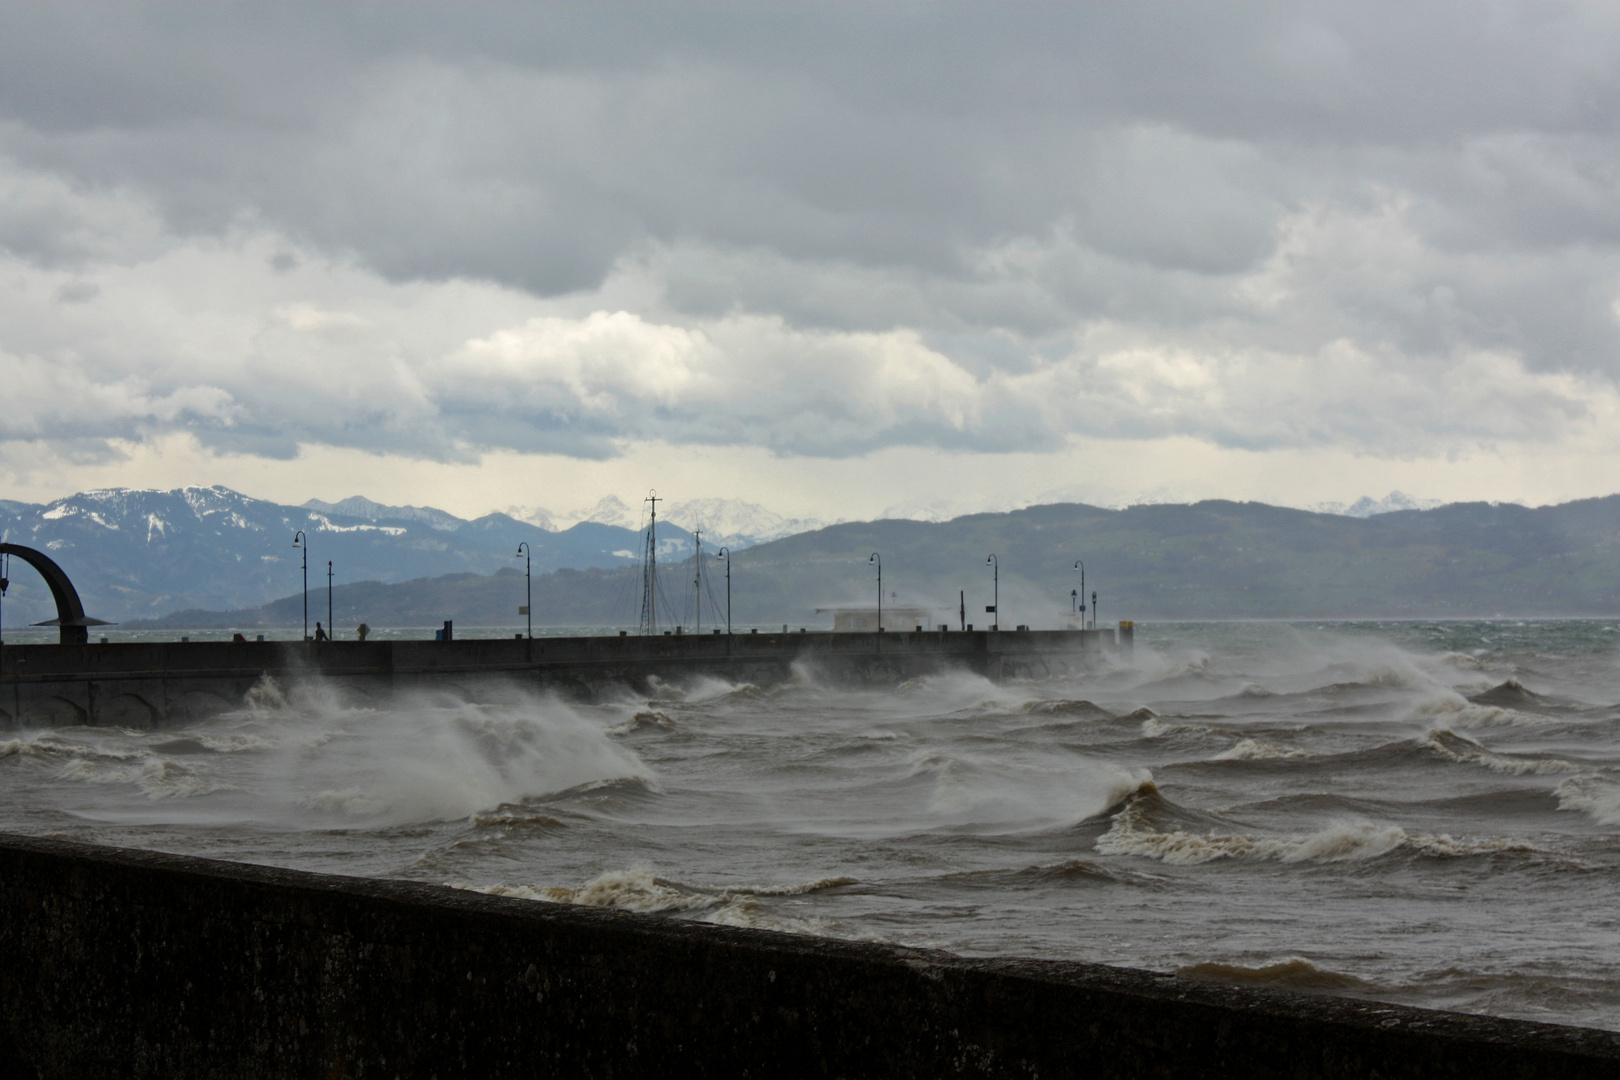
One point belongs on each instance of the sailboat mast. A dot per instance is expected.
(649, 571)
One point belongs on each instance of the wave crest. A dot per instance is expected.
(1450, 745)
(1133, 833)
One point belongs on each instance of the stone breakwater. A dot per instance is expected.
(154, 684)
(126, 963)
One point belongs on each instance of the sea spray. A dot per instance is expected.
(1423, 812)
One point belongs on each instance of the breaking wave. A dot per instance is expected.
(1255, 750)
(1598, 797)
(1457, 748)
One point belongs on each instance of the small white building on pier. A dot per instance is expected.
(857, 620)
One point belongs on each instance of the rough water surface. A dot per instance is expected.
(1417, 812)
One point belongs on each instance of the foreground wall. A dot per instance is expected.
(151, 684)
(118, 963)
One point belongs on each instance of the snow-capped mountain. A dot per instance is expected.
(1366, 507)
(610, 510)
(537, 516)
(133, 553)
(736, 523)
(733, 522)
(359, 506)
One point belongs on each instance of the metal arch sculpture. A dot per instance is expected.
(73, 623)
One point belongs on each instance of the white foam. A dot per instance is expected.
(1596, 796)
(1155, 727)
(1444, 845)
(644, 720)
(437, 757)
(1341, 841)
(1255, 750)
(155, 777)
(1449, 744)
(1452, 710)
(991, 794)
(311, 759)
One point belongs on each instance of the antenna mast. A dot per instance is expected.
(649, 571)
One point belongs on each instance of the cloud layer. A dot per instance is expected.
(817, 230)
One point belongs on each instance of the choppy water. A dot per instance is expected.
(1427, 813)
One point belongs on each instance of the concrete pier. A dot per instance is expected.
(154, 684)
(121, 963)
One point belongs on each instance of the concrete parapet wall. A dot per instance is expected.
(151, 684)
(134, 964)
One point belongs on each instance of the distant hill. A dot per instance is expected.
(1206, 560)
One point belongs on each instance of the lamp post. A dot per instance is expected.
(697, 581)
(302, 542)
(995, 578)
(1094, 609)
(528, 591)
(1079, 564)
(725, 553)
(876, 558)
(330, 629)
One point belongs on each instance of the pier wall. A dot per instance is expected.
(120, 963)
(153, 684)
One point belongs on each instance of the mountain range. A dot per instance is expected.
(1211, 559)
(140, 553)
(723, 522)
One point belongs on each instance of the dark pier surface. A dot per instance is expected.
(119, 963)
(152, 684)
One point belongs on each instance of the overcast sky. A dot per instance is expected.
(831, 258)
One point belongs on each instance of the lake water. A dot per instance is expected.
(1417, 812)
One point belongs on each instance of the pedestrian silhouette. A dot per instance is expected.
(320, 635)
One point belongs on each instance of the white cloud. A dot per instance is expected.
(1258, 229)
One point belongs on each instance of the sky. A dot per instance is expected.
(833, 258)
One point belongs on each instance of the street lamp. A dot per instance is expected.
(995, 577)
(1079, 564)
(879, 560)
(1094, 609)
(302, 542)
(330, 629)
(528, 590)
(725, 553)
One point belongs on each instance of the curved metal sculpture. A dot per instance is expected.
(70, 617)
